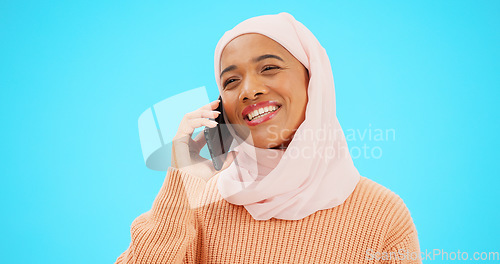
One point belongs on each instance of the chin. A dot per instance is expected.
(272, 145)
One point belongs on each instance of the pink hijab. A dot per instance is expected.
(316, 171)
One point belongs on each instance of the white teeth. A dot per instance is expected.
(261, 111)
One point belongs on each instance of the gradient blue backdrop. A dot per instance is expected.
(76, 75)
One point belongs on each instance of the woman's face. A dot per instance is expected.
(264, 89)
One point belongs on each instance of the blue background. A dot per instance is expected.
(76, 75)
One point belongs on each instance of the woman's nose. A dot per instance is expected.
(251, 89)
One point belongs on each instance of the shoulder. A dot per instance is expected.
(369, 192)
(388, 214)
(380, 204)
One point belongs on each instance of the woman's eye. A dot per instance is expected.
(267, 68)
(228, 81)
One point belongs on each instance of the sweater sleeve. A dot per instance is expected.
(401, 243)
(168, 232)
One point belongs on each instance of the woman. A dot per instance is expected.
(288, 192)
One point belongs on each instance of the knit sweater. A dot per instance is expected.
(191, 223)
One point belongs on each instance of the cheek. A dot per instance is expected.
(297, 94)
(293, 89)
(230, 107)
(230, 114)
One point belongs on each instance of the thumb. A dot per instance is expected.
(229, 159)
(199, 142)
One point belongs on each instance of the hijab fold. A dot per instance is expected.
(315, 171)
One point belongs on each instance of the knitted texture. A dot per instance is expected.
(191, 223)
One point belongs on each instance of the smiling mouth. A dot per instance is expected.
(256, 118)
(261, 112)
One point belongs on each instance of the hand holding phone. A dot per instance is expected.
(218, 139)
(186, 151)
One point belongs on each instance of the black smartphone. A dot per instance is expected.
(218, 139)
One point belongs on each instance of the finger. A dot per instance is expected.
(188, 126)
(210, 106)
(199, 141)
(209, 114)
(201, 113)
(198, 122)
(199, 137)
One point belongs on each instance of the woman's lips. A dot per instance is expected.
(262, 119)
(247, 110)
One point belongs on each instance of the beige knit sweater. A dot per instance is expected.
(191, 223)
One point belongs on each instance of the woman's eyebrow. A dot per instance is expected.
(229, 68)
(261, 57)
(267, 56)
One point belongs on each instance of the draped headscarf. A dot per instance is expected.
(315, 171)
